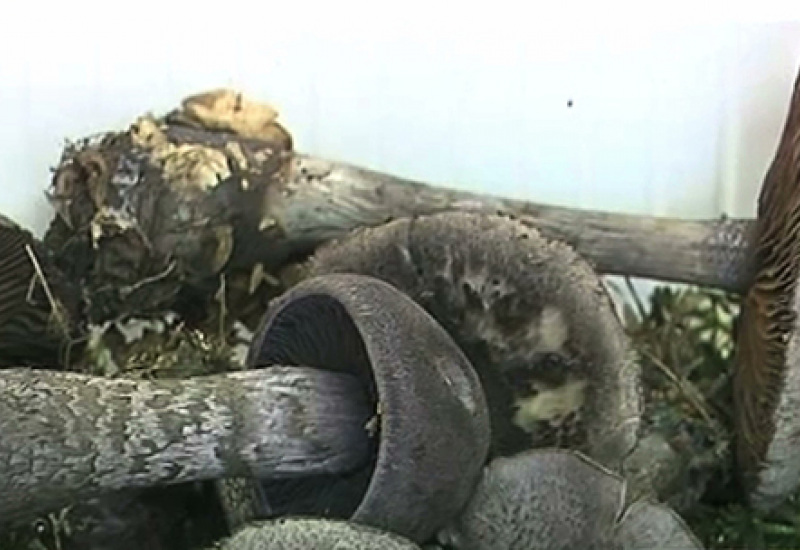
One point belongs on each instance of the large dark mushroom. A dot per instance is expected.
(361, 393)
(316, 534)
(65, 437)
(432, 422)
(531, 315)
(553, 499)
(39, 307)
(767, 378)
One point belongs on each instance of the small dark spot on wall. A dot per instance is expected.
(569, 103)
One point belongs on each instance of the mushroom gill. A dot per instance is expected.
(430, 423)
(767, 373)
(38, 308)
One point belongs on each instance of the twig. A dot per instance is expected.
(55, 306)
(635, 295)
(692, 394)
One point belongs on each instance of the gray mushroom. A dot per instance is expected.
(556, 499)
(649, 525)
(65, 437)
(432, 421)
(531, 315)
(361, 396)
(316, 534)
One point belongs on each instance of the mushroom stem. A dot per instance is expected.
(66, 437)
(325, 199)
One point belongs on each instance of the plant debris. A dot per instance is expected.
(155, 217)
(686, 340)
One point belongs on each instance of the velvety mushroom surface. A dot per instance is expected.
(316, 534)
(648, 525)
(531, 315)
(555, 499)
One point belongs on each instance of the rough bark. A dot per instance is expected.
(66, 437)
(324, 200)
(151, 219)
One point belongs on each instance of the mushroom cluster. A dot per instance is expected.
(360, 408)
(424, 368)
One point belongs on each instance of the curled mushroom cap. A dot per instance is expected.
(556, 499)
(767, 379)
(531, 315)
(430, 419)
(38, 308)
(319, 534)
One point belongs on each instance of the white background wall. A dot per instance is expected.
(669, 115)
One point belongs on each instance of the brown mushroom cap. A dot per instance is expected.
(767, 369)
(531, 315)
(38, 308)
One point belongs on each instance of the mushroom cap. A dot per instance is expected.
(544, 499)
(528, 312)
(319, 534)
(37, 320)
(431, 414)
(767, 363)
(556, 499)
(647, 525)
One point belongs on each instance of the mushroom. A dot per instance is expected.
(555, 499)
(531, 315)
(319, 534)
(654, 525)
(767, 369)
(360, 391)
(431, 416)
(38, 307)
(66, 437)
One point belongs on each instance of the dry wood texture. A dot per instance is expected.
(151, 217)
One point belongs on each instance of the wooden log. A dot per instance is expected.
(171, 204)
(325, 199)
(319, 199)
(65, 437)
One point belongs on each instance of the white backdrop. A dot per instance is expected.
(666, 118)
